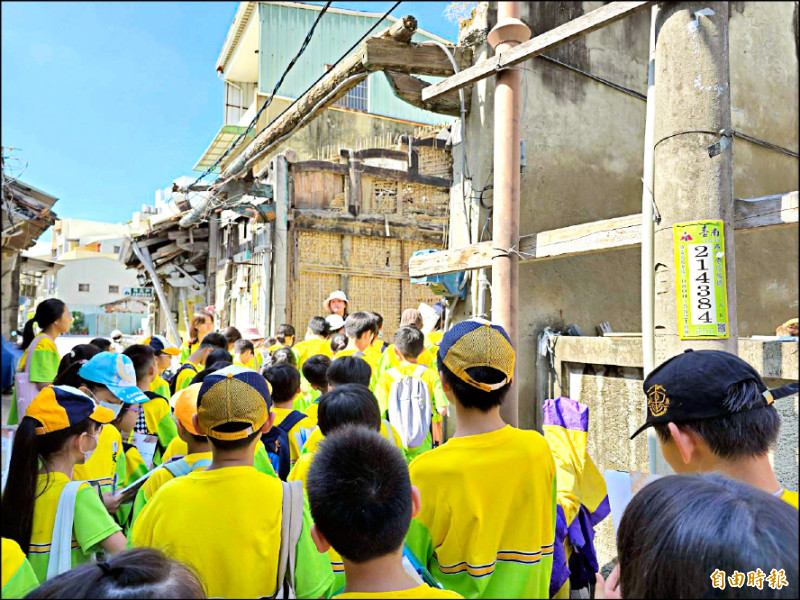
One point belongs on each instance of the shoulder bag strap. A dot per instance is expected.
(30, 349)
(61, 543)
(291, 528)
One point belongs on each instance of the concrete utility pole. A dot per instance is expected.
(693, 105)
(507, 33)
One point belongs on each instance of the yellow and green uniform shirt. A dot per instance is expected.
(160, 386)
(432, 342)
(421, 591)
(226, 523)
(91, 525)
(187, 350)
(371, 355)
(44, 367)
(107, 460)
(158, 416)
(297, 434)
(389, 359)
(487, 523)
(18, 576)
(261, 462)
(434, 384)
(184, 377)
(305, 350)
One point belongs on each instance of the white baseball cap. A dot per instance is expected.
(334, 321)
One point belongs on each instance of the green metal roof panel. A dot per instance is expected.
(282, 31)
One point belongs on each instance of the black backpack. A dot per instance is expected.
(174, 380)
(276, 443)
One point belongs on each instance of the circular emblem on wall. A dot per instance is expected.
(657, 400)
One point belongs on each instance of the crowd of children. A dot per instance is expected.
(267, 468)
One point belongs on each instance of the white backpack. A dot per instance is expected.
(410, 407)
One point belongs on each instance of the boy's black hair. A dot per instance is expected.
(338, 342)
(349, 369)
(315, 370)
(285, 381)
(102, 343)
(378, 320)
(409, 341)
(232, 335)
(216, 366)
(319, 326)
(284, 331)
(214, 339)
(680, 529)
(358, 324)
(469, 396)
(359, 492)
(749, 431)
(279, 356)
(219, 355)
(349, 404)
(240, 346)
(271, 341)
(143, 358)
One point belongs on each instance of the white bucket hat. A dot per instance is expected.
(337, 295)
(251, 332)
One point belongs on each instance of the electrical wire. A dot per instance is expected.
(268, 101)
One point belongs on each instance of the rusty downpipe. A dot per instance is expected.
(507, 33)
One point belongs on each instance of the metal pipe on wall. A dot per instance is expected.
(507, 33)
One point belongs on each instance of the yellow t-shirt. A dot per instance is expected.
(789, 497)
(186, 375)
(429, 377)
(107, 460)
(18, 576)
(297, 434)
(370, 354)
(160, 386)
(91, 525)
(261, 462)
(488, 531)
(162, 476)
(421, 591)
(307, 349)
(229, 529)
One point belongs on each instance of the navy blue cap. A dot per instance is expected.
(694, 385)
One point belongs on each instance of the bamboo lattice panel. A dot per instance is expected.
(310, 289)
(438, 163)
(383, 197)
(320, 248)
(425, 200)
(377, 295)
(378, 254)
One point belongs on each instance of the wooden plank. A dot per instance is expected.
(409, 89)
(397, 175)
(319, 165)
(348, 270)
(768, 212)
(414, 59)
(597, 19)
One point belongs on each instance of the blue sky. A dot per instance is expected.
(106, 102)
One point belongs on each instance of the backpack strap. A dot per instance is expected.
(292, 419)
(178, 468)
(419, 371)
(61, 542)
(395, 374)
(291, 528)
(31, 349)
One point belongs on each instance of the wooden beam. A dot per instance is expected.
(592, 21)
(319, 165)
(405, 228)
(381, 54)
(409, 89)
(769, 212)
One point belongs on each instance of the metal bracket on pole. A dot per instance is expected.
(143, 254)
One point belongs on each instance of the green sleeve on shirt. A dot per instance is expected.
(44, 365)
(313, 574)
(13, 419)
(92, 522)
(21, 583)
(418, 540)
(167, 430)
(261, 462)
(138, 505)
(439, 399)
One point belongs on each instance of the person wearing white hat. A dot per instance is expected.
(337, 304)
(335, 324)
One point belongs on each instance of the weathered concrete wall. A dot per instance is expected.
(584, 144)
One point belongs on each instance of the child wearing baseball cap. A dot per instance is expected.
(165, 352)
(362, 502)
(59, 430)
(713, 412)
(499, 542)
(231, 517)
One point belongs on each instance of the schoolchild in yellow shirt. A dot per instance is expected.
(315, 342)
(315, 373)
(389, 359)
(408, 344)
(228, 525)
(244, 354)
(18, 575)
(198, 454)
(720, 416)
(195, 361)
(361, 329)
(284, 380)
(362, 501)
(165, 352)
(59, 430)
(487, 524)
(284, 337)
(379, 343)
(348, 369)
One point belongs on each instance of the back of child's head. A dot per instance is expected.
(215, 339)
(279, 356)
(241, 346)
(412, 317)
(135, 573)
(349, 369)
(284, 380)
(201, 375)
(315, 370)
(232, 335)
(218, 355)
(79, 354)
(319, 326)
(338, 342)
(359, 493)
(143, 358)
(348, 404)
(358, 324)
(378, 318)
(409, 341)
(680, 529)
(271, 341)
(284, 331)
(101, 343)
(749, 430)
